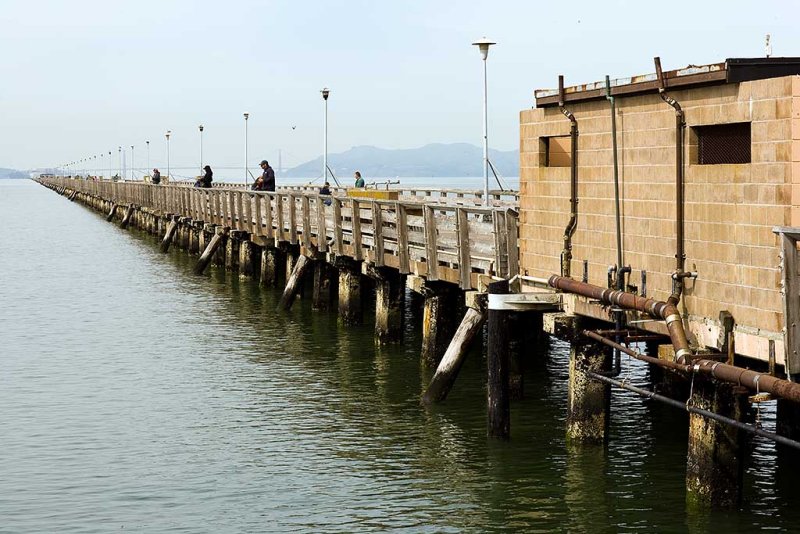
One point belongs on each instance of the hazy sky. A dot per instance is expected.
(80, 78)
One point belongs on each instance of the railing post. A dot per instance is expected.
(431, 251)
(464, 257)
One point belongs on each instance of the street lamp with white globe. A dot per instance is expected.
(483, 45)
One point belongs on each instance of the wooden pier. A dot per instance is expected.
(463, 259)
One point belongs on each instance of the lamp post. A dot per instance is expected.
(169, 132)
(483, 45)
(148, 157)
(133, 166)
(119, 152)
(325, 93)
(246, 169)
(201, 148)
(109, 164)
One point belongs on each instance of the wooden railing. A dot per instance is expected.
(509, 198)
(455, 243)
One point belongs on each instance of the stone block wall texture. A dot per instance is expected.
(730, 210)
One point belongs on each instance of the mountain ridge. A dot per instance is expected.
(436, 160)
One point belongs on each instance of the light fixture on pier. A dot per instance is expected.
(246, 169)
(169, 132)
(201, 147)
(133, 177)
(325, 94)
(148, 157)
(483, 45)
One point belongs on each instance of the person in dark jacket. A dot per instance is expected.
(156, 178)
(265, 182)
(208, 176)
(325, 190)
(359, 179)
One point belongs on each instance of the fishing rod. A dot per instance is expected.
(334, 177)
(496, 177)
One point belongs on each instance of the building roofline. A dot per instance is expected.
(732, 70)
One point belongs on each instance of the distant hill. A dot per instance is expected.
(13, 173)
(434, 160)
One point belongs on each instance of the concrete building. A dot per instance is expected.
(741, 163)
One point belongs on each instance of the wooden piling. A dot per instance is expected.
(111, 213)
(294, 282)
(497, 363)
(127, 219)
(714, 463)
(208, 253)
(169, 235)
(448, 369)
(232, 250)
(324, 286)
(249, 259)
(271, 263)
(439, 316)
(588, 401)
(389, 293)
(350, 309)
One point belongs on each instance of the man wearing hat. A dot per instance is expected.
(265, 182)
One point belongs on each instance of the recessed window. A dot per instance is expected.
(723, 143)
(557, 150)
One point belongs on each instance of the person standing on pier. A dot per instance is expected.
(359, 179)
(265, 182)
(156, 178)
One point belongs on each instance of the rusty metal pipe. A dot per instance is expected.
(758, 382)
(680, 126)
(566, 253)
(638, 355)
(691, 409)
(657, 309)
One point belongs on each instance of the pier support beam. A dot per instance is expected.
(588, 401)
(440, 312)
(232, 250)
(249, 259)
(389, 299)
(294, 282)
(271, 263)
(169, 235)
(324, 286)
(714, 466)
(111, 213)
(497, 364)
(447, 372)
(195, 231)
(350, 309)
(211, 249)
(127, 219)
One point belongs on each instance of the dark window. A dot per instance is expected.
(557, 151)
(723, 143)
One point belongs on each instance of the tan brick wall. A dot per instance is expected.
(730, 209)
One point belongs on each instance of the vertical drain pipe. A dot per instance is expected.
(680, 126)
(566, 254)
(619, 315)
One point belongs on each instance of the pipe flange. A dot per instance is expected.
(686, 354)
(672, 318)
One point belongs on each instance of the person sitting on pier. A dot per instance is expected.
(265, 182)
(208, 176)
(359, 179)
(326, 191)
(156, 178)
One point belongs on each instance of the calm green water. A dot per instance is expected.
(137, 397)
